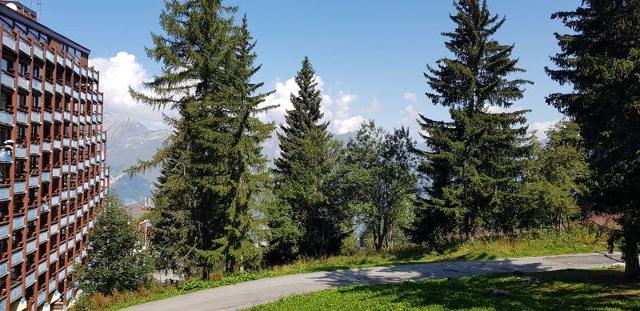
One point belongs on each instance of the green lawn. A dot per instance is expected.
(579, 240)
(563, 290)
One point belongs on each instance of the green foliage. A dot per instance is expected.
(117, 261)
(557, 178)
(600, 59)
(473, 165)
(561, 290)
(381, 174)
(212, 167)
(308, 219)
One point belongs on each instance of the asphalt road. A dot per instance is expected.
(248, 294)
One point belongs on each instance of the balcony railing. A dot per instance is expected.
(24, 47)
(31, 246)
(32, 214)
(19, 187)
(18, 222)
(17, 258)
(21, 117)
(9, 41)
(4, 193)
(16, 293)
(3, 268)
(6, 80)
(4, 231)
(6, 118)
(35, 117)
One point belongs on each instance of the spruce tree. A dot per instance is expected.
(303, 173)
(302, 119)
(212, 163)
(473, 163)
(600, 58)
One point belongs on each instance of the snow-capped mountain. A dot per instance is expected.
(127, 142)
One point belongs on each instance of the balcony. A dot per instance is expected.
(55, 201)
(43, 237)
(23, 83)
(4, 193)
(6, 118)
(18, 222)
(16, 293)
(42, 297)
(4, 231)
(59, 88)
(52, 286)
(38, 52)
(31, 246)
(67, 116)
(17, 258)
(24, 47)
(46, 177)
(57, 144)
(35, 117)
(19, 187)
(54, 228)
(34, 149)
(48, 87)
(9, 41)
(33, 182)
(5, 156)
(32, 214)
(45, 207)
(47, 116)
(42, 267)
(21, 152)
(21, 117)
(56, 172)
(36, 85)
(6, 80)
(3, 268)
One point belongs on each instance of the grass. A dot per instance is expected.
(561, 290)
(579, 240)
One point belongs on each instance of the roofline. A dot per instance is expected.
(4, 10)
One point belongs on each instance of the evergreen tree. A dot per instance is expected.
(212, 164)
(600, 58)
(117, 261)
(474, 163)
(303, 173)
(302, 119)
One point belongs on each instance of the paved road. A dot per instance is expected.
(248, 294)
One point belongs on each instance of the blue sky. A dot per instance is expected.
(370, 55)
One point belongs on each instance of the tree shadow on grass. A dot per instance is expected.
(563, 290)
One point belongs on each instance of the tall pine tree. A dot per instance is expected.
(303, 173)
(211, 165)
(473, 163)
(600, 58)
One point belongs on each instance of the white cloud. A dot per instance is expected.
(117, 73)
(374, 106)
(410, 97)
(409, 117)
(540, 129)
(336, 108)
(497, 109)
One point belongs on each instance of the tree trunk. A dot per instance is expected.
(630, 251)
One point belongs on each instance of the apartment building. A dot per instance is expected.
(53, 174)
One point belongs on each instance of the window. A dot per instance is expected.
(5, 100)
(22, 100)
(7, 65)
(35, 102)
(36, 72)
(24, 69)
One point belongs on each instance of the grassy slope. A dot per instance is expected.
(563, 290)
(552, 243)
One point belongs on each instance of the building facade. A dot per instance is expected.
(53, 174)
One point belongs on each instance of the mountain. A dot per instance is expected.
(127, 142)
